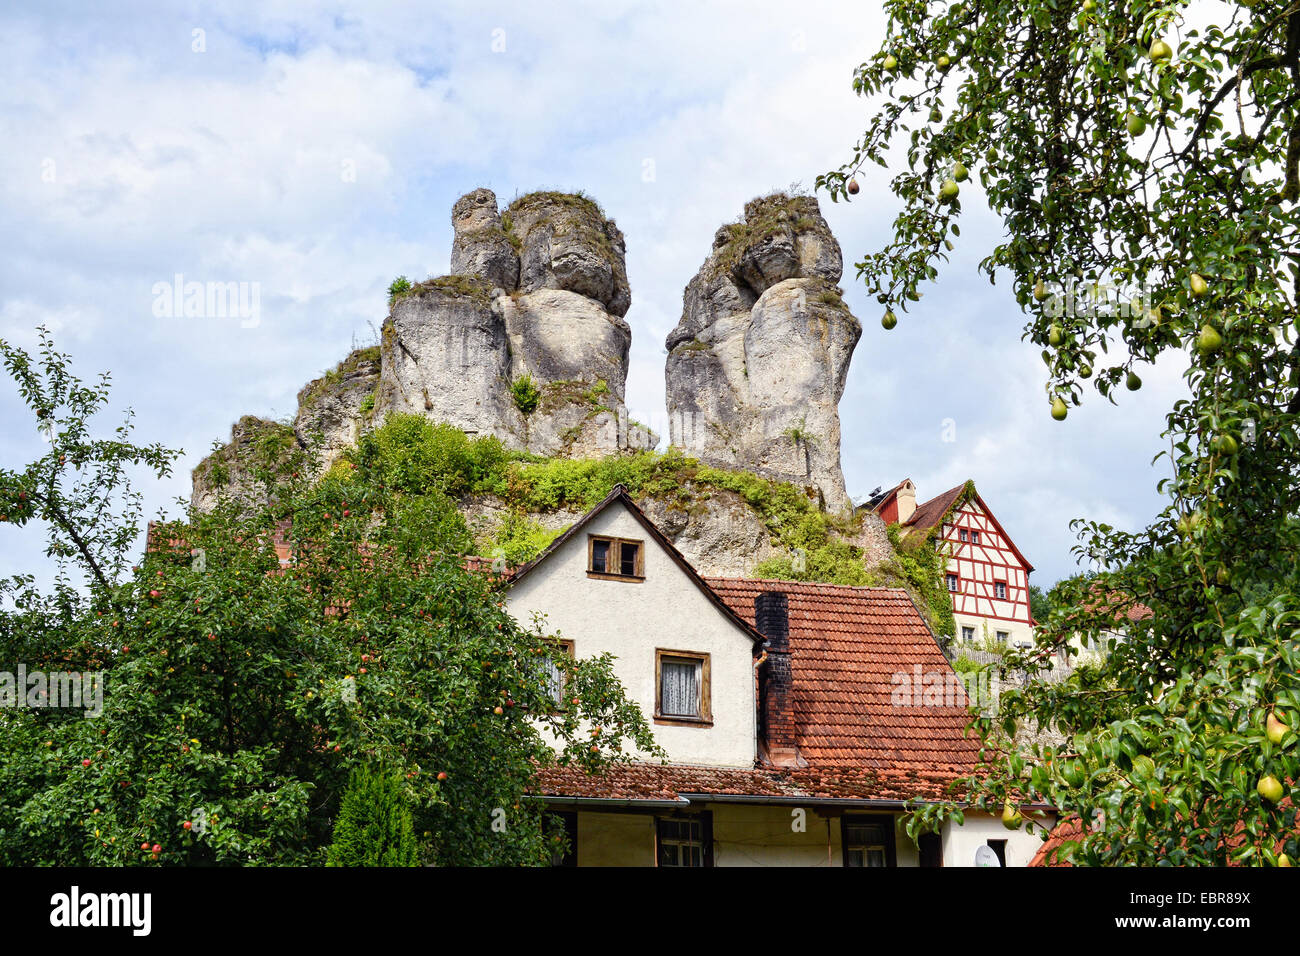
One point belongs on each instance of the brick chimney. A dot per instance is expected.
(778, 734)
(905, 499)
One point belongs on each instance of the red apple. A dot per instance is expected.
(442, 775)
(86, 762)
(157, 847)
(153, 594)
(144, 846)
(187, 825)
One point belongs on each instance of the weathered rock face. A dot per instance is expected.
(334, 408)
(257, 446)
(536, 297)
(446, 355)
(757, 364)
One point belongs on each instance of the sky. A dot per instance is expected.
(316, 148)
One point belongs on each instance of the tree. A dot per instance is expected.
(1040, 605)
(240, 693)
(374, 826)
(1146, 171)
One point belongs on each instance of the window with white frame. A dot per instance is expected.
(952, 582)
(967, 633)
(1000, 590)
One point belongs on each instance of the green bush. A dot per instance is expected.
(526, 394)
(398, 286)
(413, 455)
(374, 826)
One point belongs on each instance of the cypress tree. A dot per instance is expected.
(374, 826)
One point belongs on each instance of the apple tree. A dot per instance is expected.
(241, 690)
(1144, 158)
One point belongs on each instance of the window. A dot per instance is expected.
(963, 535)
(930, 846)
(999, 847)
(684, 840)
(1000, 590)
(682, 687)
(615, 558)
(974, 537)
(967, 633)
(952, 582)
(552, 674)
(868, 840)
(1003, 637)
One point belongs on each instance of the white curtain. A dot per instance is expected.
(681, 688)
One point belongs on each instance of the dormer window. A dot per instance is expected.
(619, 559)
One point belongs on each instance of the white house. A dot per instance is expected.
(798, 719)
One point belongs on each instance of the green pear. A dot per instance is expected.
(1040, 291)
(1209, 340)
(1132, 382)
(1160, 52)
(1055, 335)
(891, 63)
(1059, 411)
(1221, 576)
(949, 190)
(1275, 728)
(890, 320)
(960, 172)
(1225, 445)
(936, 115)
(1089, 6)
(1198, 285)
(1136, 125)
(1270, 788)
(1284, 860)
(943, 63)
(1011, 818)
(1085, 371)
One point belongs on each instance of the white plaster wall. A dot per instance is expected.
(960, 843)
(630, 620)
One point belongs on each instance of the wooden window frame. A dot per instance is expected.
(956, 579)
(616, 555)
(1005, 592)
(706, 697)
(705, 819)
(882, 819)
(565, 646)
(974, 537)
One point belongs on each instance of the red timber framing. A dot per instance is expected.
(985, 570)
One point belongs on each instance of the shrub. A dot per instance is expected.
(374, 826)
(526, 394)
(398, 286)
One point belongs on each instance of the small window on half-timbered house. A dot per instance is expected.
(974, 537)
(952, 582)
(968, 634)
(615, 558)
(1000, 590)
(963, 535)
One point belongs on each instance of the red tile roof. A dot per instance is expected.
(678, 782)
(927, 515)
(846, 646)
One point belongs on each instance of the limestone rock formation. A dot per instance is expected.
(334, 408)
(526, 339)
(238, 470)
(757, 364)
